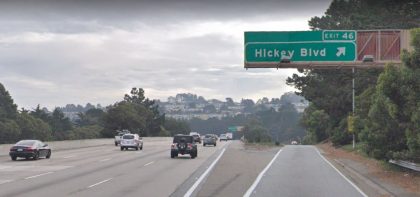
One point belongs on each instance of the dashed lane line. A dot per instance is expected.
(35, 176)
(98, 183)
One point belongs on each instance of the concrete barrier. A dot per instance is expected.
(74, 144)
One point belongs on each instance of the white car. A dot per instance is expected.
(131, 141)
(223, 137)
(294, 143)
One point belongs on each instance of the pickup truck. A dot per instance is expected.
(117, 139)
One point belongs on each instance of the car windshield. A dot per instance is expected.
(208, 136)
(26, 143)
(128, 137)
(182, 139)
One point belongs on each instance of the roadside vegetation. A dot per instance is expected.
(387, 114)
(260, 124)
(135, 113)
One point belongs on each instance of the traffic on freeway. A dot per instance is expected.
(210, 98)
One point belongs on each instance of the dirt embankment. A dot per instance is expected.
(408, 180)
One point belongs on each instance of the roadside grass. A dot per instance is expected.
(384, 164)
(261, 145)
(358, 149)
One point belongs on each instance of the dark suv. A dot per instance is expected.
(183, 144)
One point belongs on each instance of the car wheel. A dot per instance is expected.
(141, 147)
(48, 155)
(122, 148)
(13, 158)
(172, 155)
(137, 148)
(36, 157)
(116, 144)
(204, 144)
(214, 144)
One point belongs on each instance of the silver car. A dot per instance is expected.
(209, 139)
(131, 141)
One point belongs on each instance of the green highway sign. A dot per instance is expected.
(300, 51)
(300, 46)
(339, 35)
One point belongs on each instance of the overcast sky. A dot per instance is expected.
(96, 50)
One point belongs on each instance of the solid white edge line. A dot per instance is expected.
(149, 163)
(106, 180)
(31, 177)
(351, 183)
(258, 179)
(193, 187)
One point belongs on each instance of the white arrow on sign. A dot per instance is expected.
(341, 51)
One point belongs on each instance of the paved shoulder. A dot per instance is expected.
(301, 171)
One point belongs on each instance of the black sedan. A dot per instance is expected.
(30, 149)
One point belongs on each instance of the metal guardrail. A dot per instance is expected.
(406, 164)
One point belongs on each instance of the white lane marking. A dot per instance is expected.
(107, 159)
(191, 190)
(66, 157)
(5, 181)
(31, 177)
(149, 163)
(98, 183)
(259, 177)
(351, 183)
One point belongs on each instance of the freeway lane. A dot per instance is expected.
(102, 171)
(302, 171)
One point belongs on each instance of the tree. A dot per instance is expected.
(330, 90)
(33, 128)
(317, 123)
(255, 132)
(230, 102)
(174, 126)
(8, 110)
(85, 132)
(93, 116)
(60, 125)
(392, 126)
(124, 115)
(9, 131)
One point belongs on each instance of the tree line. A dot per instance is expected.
(135, 113)
(262, 125)
(387, 111)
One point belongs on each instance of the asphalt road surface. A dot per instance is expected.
(302, 171)
(102, 171)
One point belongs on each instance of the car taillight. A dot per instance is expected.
(190, 145)
(29, 149)
(173, 146)
(12, 149)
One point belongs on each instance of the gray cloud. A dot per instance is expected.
(95, 51)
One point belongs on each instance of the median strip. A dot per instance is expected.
(192, 189)
(31, 177)
(96, 184)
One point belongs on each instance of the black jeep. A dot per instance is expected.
(183, 144)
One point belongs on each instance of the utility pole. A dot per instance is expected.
(354, 139)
